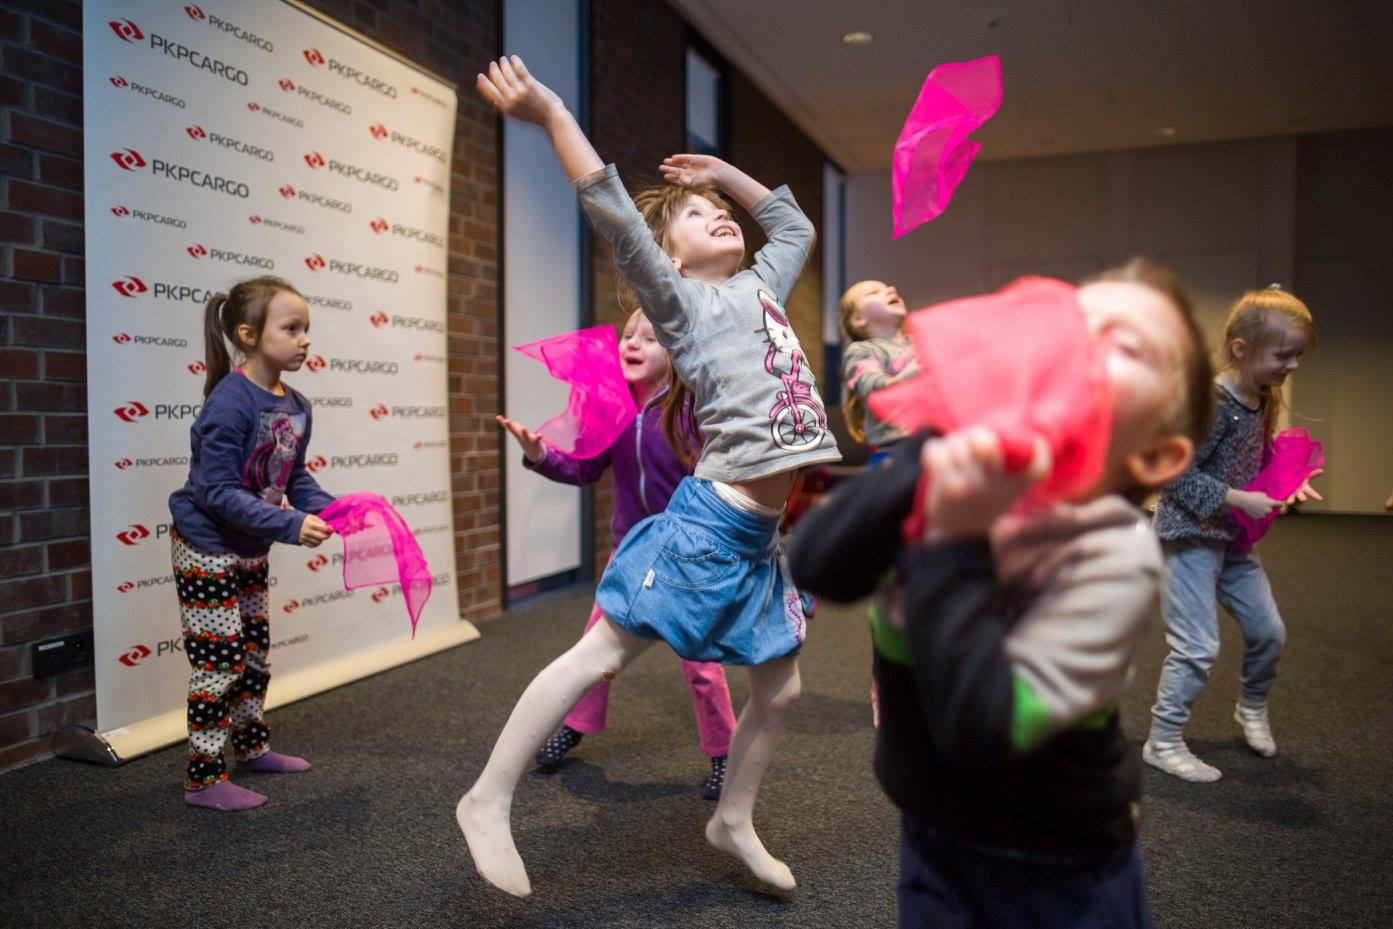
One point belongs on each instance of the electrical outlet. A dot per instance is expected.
(62, 653)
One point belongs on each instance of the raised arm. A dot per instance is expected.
(667, 299)
(789, 233)
(515, 92)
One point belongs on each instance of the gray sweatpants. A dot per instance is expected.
(1200, 575)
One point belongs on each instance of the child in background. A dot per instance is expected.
(1265, 336)
(707, 575)
(647, 469)
(878, 354)
(248, 454)
(1003, 640)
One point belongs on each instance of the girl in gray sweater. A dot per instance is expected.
(707, 575)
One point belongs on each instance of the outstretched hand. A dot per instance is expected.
(514, 92)
(693, 170)
(1305, 491)
(530, 442)
(968, 484)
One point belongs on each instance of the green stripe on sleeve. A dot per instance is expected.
(1030, 718)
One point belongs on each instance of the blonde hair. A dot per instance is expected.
(660, 204)
(1260, 318)
(853, 407)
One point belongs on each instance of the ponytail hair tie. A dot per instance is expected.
(1274, 286)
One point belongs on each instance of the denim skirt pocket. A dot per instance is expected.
(690, 560)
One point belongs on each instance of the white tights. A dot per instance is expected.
(484, 811)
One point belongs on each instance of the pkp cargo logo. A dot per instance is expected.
(128, 159)
(197, 250)
(316, 464)
(195, 13)
(380, 594)
(133, 657)
(314, 57)
(379, 412)
(286, 84)
(378, 131)
(290, 606)
(287, 191)
(314, 160)
(315, 262)
(379, 225)
(133, 535)
(254, 106)
(132, 411)
(379, 319)
(126, 587)
(316, 363)
(129, 286)
(120, 338)
(119, 81)
(124, 463)
(126, 30)
(120, 211)
(197, 367)
(196, 133)
(317, 562)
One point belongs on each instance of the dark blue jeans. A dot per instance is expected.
(947, 885)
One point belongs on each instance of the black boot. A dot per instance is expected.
(711, 789)
(554, 749)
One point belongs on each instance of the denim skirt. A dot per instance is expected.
(708, 579)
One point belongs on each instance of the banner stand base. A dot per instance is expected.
(112, 747)
(78, 743)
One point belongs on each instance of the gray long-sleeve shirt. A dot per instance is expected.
(733, 345)
(869, 365)
(1192, 506)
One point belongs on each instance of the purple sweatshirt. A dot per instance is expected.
(646, 469)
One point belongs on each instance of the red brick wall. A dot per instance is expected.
(45, 576)
(638, 118)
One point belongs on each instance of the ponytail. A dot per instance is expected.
(244, 305)
(215, 356)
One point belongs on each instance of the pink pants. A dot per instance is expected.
(710, 698)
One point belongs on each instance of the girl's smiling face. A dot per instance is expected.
(1269, 365)
(703, 240)
(642, 356)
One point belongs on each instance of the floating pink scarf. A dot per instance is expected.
(379, 548)
(600, 404)
(1020, 362)
(933, 154)
(1287, 463)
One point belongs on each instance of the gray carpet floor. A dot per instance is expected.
(613, 838)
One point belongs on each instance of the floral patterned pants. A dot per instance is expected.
(222, 604)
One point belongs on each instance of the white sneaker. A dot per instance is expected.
(1176, 759)
(1257, 731)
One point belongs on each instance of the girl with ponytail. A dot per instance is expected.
(1266, 334)
(247, 457)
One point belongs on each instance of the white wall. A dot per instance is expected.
(1309, 213)
(541, 287)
